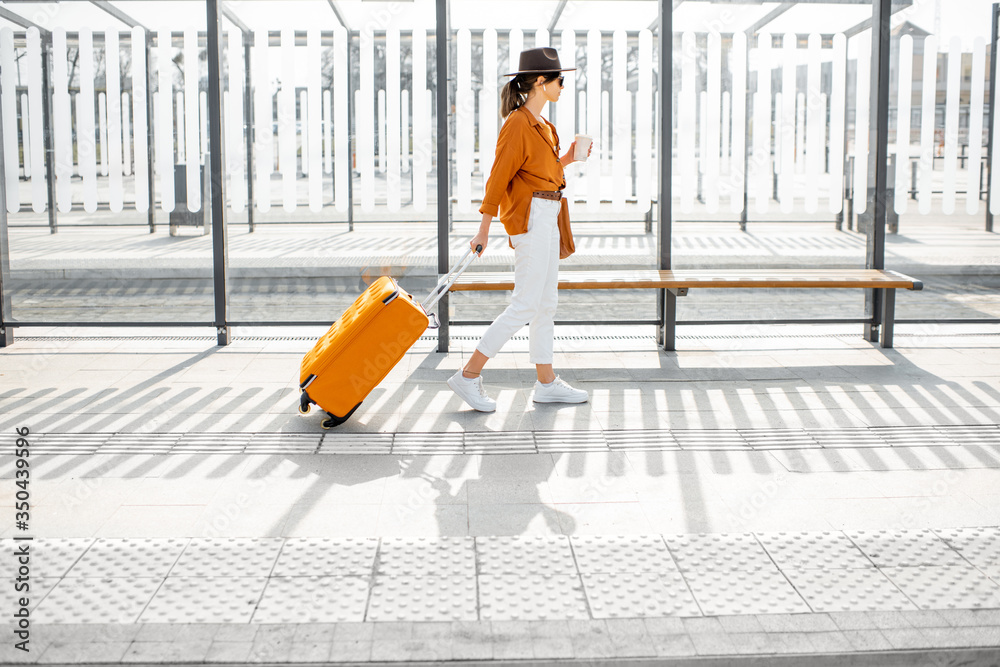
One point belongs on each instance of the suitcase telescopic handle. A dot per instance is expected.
(448, 279)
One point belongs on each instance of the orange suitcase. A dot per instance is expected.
(365, 344)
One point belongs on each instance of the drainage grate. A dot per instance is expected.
(516, 442)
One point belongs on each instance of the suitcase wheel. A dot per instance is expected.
(334, 420)
(305, 403)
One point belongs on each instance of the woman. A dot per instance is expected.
(524, 190)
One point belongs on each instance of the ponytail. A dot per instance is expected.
(515, 92)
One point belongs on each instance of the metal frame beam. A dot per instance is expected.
(767, 18)
(17, 19)
(340, 17)
(217, 158)
(667, 301)
(107, 7)
(556, 15)
(247, 104)
(443, 154)
(993, 97)
(6, 331)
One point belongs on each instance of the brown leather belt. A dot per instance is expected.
(556, 195)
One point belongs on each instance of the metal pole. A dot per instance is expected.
(668, 313)
(442, 31)
(50, 151)
(746, 146)
(6, 332)
(220, 257)
(150, 135)
(248, 114)
(350, 136)
(993, 98)
(877, 160)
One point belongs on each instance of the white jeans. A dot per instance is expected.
(536, 286)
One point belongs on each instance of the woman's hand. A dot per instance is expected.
(483, 239)
(570, 156)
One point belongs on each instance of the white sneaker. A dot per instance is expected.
(471, 391)
(558, 391)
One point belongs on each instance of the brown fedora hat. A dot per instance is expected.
(539, 61)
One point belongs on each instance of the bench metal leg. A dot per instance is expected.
(669, 321)
(888, 315)
(444, 337)
(661, 306)
(873, 310)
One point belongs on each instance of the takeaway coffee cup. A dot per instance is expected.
(582, 147)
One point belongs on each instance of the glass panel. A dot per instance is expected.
(610, 97)
(112, 259)
(770, 99)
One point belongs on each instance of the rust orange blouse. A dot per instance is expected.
(525, 162)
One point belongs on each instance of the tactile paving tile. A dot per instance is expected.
(428, 443)
(324, 556)
(710, 439)
(501, 442)
(284, 443)
(541, 554)
(848, 590)
(48, 556)
(356, 443)
(39, 587)
(451, 598)
(654, 440)
(635, 595)
(570, 441)
(960, 587)
(980, 546)
(205, 600)
(146, 443)
(905, 548)
(67, 443)
(847, 438)
(129, 557)
(228, 557)
(96, 600)
(725, 592)
(510, 597)
(718, 551)
(910, 436)
(420, 556)
(634, 554)
(313, 600)
(827, 550)
(210, 443)
(778, 438)
(979, 434)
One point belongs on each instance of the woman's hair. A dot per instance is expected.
(515, 91)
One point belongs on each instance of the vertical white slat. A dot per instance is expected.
(102, 131)
(140, 129)
(994, 184)
(302, 127)
(542, 39)
(643, 122)
(713, 99)
(182, 129)
(263, 121)
(315, 127)
(515, 44)
(740, 130)
(404, 130)
(234, 127)
(702, 135)
(786, 171)
(800, 133)
(489, 105)
(287, 136)
(62, 122)
(605, 154)
(464, 119)
(566, 113)
(593, 167)
(203, 128)
(366, 122)
(86, 154)
(761, 183)
(863, 92)
(815, 124)
(686, 123)
(951, 124)
(39, 194)
(392, 85)
(113, 137)
(341, 156)
(903, 104)
(421, 121)
(779, 139)
(8, 105)
(580, 185)
(24, 117)
(192, 121)
(725, 120)
(380, 120)
(327, 133)
(622, 142)
(927, 113)
(838, 97)
(975, 125)
(126, 125)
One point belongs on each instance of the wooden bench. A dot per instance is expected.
(676, 283)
